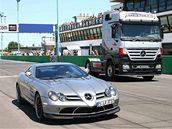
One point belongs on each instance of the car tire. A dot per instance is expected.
(20, 100)
(38, 108)
(148, 78)
(110, 73)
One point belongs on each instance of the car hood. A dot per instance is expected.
(79, 87)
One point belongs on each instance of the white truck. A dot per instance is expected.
(131, 45)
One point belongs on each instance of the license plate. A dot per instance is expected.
(143, 67)
(105, 102)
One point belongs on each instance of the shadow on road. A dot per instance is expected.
(29, 111)
(127, 79)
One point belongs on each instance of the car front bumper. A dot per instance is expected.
(80, 110)
(82, 115)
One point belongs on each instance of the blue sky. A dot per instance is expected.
(44, 12)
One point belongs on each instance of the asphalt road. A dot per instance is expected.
(144, 105)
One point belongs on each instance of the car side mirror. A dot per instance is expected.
(28, 73)
(86, 70)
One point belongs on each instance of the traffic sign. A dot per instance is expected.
(36, 28)
(8, 28)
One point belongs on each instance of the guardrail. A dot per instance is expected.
(80, 60)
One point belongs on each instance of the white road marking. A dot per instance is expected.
(143, 96)
(13, 61)
(13, 76)
(165, 76)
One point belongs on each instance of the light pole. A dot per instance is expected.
(18, 38)
(57, 33)
(2, 16)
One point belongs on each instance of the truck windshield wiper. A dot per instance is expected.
(137, 38)
(151, 38)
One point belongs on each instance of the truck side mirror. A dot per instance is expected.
(161, 32)
(108, 17)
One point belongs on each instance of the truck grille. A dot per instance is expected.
(142, 54)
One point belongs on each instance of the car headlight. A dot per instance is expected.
(61, 97)
(110, 92)
(52, 95)
(56, 96)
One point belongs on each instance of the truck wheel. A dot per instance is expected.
(110, 74)
(148, 78)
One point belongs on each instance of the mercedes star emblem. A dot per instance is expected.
(88, 96)
(143, 53)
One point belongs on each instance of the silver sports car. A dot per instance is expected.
(64, 90)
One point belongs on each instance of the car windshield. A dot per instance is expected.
(59, 71)
(141, 32)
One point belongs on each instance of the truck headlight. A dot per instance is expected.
(125, 67)
(110, 92)
(158, 66)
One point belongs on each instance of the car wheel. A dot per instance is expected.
(20, 100)
(38, 108)
(148, 78)
(110, 74)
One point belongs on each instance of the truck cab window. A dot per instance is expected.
(115, 32)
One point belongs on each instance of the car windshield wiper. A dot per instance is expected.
(51, 78)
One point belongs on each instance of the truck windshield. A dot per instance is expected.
(141, 32)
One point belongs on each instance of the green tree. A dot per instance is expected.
(12, 45)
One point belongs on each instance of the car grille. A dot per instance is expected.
(100, 95)
(77, 98)
(73, 98)
(86, 110)
(135, 54)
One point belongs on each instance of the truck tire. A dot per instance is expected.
(110, 72)
(88, 66)
(148, 78)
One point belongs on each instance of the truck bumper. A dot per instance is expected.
(140, 68)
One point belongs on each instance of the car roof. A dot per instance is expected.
(49, 64)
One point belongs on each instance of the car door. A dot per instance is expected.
(23, 83)
(31, 81)
(28, 83)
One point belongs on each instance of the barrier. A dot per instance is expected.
(167, 64)
(80, 60)
(39, 59)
